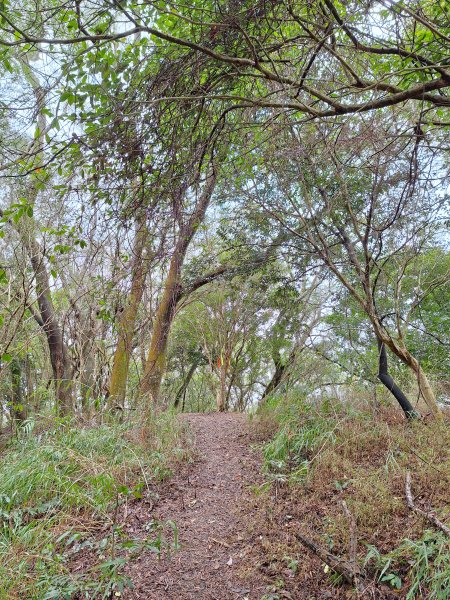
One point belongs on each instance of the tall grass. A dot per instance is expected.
(424, 563)
(300, 432)
(59, 487)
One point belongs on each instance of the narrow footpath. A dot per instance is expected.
(211, 504)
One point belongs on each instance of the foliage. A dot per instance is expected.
(238, 205)
(301, 432)
(424, 563)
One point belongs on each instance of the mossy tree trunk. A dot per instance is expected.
(156, 360)
(127, 321)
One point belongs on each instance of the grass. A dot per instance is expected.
(60, 487)
(424, 563)
(287, 456)
(333, 453)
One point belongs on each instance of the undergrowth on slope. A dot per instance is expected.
(63, 485)
(337, 452)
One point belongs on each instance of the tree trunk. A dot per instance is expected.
(87, 383)
(127, 321)
(47, 318)
(425, 389)
(62, 375)
(58, 352)
(280, 369)
(390, 384)
(221, 391)
(31, 397)
(156, 359)
(18, 412)
(184, 386)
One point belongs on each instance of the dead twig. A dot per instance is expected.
(347, 569)
(220, 542)
(353, 545)
(429, 516)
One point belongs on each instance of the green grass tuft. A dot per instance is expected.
(59, 487)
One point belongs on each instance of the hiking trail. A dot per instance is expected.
(211, 504)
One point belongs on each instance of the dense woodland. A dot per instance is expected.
(220, 206)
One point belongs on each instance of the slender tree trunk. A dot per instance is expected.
(425, 389)
(156, 359)
(18, 411)
(221, 391)
(62, 375)
(31, 397)
(87, 383)
(390, 384)
(127, 320)
(280, 369)
(184, 386)
(404, 355)
(47, 319)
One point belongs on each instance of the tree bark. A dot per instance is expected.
(280, 369)
(390, 384)
(184, 386)
(156, 359)
(425, 389)
(127, 321)
(406, 357)
(59, 359)
(221, 391)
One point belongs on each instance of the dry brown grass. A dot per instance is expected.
(364, 464)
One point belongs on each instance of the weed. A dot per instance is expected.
(289, 453)
(59, 487)
(425, 564)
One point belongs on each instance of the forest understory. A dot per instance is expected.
(224, 299)
(220, 516)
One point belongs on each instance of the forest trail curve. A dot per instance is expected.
(211, 505)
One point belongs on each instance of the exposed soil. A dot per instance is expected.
(213, 508)
(238, 533)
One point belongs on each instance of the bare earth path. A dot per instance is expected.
(210, 503)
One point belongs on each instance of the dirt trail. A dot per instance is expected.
(210, 503)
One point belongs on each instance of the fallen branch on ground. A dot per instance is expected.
(431, 517)
(353, 545)
(347, 569)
